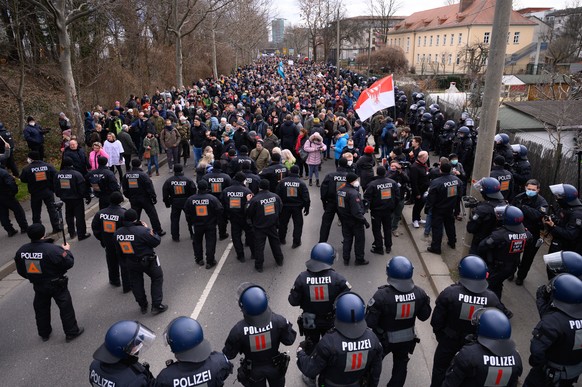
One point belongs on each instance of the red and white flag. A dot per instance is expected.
(376, 97)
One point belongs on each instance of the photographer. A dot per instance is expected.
(34, 136)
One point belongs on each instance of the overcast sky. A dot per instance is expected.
(288, 9)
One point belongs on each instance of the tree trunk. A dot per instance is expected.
(314, 47)
(214, 65)
(179, 62)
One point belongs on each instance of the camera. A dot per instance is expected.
(470, 201)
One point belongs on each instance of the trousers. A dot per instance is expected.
(115, 264)
(137, 268)
(329, 212)
(237, 226)
(175, 214)
(440, 219)
(443, 355)
(44, 293)
(287, 213)
(11, 204)
(48, 198)
(382, 221)
(527, 258)
(143, 203)
(538, 378)
(75, 215)
(261, 235)
(207, 232)
(173, 156)
(353, 231)
(499, 272)
(400, 360)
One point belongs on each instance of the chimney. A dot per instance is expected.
(464, 5)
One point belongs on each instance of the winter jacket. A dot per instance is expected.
(114, 150)
(340, 144)
(93, 164)
(262, 159)
(170, 137)
(288, 134)
(314, 149)
(153, 144)
(33, 134)
(79, 158)
(127, 143)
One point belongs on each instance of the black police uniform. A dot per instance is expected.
(103, 183)
(555, 350)
(217, 182)
(202, 213)
(8, 191)
(463, 147)
(234, 201)
(451, 322)
(315, 294)
(392, 314)
(235, 164)
(275, 172)
(212, 372)
(504, 150)
(505, 180)
(252, 181)
(45, 265)
(295, 197)
(264, 210)
(383, 195)
(8, 161)
(567, 230)
(521, 171)
(40, 178)
(260, 346)
(135, 245)
(351, 213)
(502, 251)
(340, 361)
(71, 187)
(483, 221)
(139, 189)
(477, 366)
(443, 195)
(533, 209)
(175, 191)
(126, 372)
(104, 224)
(331, 183)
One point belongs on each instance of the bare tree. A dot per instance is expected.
(317, 15)
(297, 37)
(384, 10)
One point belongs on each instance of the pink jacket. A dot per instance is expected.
(314, 149)
(93, 158)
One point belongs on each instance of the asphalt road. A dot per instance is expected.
(189, 290)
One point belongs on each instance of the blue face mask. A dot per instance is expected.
(531, 193)
(454, 162)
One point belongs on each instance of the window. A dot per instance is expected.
(408, 44)
(419, 40)
(429, 58)
(417, 57)
(452, 39)
(516, 38)
(444, 39)
(450, 58)
(459, 58)
(425, 40)
(430, 44)
(398, 42)
(460, 38)
(373, 41)
(486, 36)
(436, 58)
(438, 40)
(423, 58)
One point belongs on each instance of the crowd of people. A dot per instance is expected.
(243, 150)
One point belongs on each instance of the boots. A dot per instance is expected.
(317, 182)
(310, 182)
(157, 172)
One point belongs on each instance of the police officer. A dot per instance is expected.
(258, 337)
(295, 197)
(234, 200)
(392, 313)
(39, 176)
(444, 193)
(490, 357)
(45, 265)
(275, 172)
(104, 224)
(504, 176)
(315, 291)
(8, 191)
(135, 245)
(235, 164)
(197, 363)
(382, 195)
(116, 361)
(453, 312)
(521, 168)
(534, 207)
(7, 150)
(139, 189)
(463, 147)
(175, 191)
(502, 147)
(102, 182)
(328, 191)
(445, 138)
(202, 213)
(264, 210)
(351, 213)
(252, 180)
(349, 355)
(218, 181)
(555, 354)
(483, 220)
(71, 188)
(557, 263)
(566, 231)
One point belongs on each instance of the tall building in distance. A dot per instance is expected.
(278, 30)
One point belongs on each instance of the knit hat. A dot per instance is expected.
(116, 198)
(369, 149)
(35, 231)
(67, 162)
(130, 215)
(135, 162)
(264, 184)
(351, 177)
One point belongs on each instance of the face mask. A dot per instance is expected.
(531, 193)
(356, 184)
(350, 147)
(350, 162)
(31, 123)
(29, 160)
(454, 162)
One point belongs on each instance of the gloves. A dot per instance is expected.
(168, 205)
(324, 202)
(366, 224)
(154, 201)
(88, 200)
(306, 211)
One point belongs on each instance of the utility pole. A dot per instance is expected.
(337, 57)
(369, 46)
(490, 103)
(214, 59)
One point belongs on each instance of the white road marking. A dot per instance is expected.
(210, 283)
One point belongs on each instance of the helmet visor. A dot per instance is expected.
(143, 339)
(498, 139)
(554, 262)
(499, 212)
(557, 190)
(477, 316)
(515, 148)
(478, 185)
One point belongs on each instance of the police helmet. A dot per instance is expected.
(522, 151)
(350, 313)
(469, 122)
(493, 331)
(413, 106)
(186, 340)
(473, 273)
(426, 117)
(464, 116)
(565, 192)
(402, 98)
(564, 262)
(322, 257)
(420, 96)
(254, 304)
(464, 131)
(567, 294)
(449, 125)
(420, 111)
(414, 95)
(489, 187)
(421, 103)
(502, 138)
(399, 271)
(124, 338)
(513, 219)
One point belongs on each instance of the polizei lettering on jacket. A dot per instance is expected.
(129, 237)
(280, 170)
(318, 280)
(291, 184)
(99, 381)
(575, 324)
(114, 218)
(39, 169)
(339, 178)
(201, 202)
(232, 194)
(25, 255)
(499, 361)
(351, 346)
(132, 175)
(193, 380)
(178, 182)
(254, 330)
(504, 178)
(517, 236)
(473, 299)
(404, 297)
(64, 176)
(384, 186)
(268, 200)
(216, 180)
(451, 183)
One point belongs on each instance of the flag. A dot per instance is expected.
(280, 70)
(375, 98)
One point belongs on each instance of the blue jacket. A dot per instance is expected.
(360, 139)
(340, 144)
(33, 134)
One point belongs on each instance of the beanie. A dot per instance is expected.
(295, 169)
(102, 161)
(276, 157)
(135, 162)
(202, 185)
(116, 198)
(35, 231)
(67, 162)
(446, 168)
(499, 160)
(217, 164)
(380, 171)
(130, 215)
(343, 162)
(178, 168)
(369, 149)
(240, 177)
(34, 155)
(244, 149)
(351, 177)
(264, 184)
